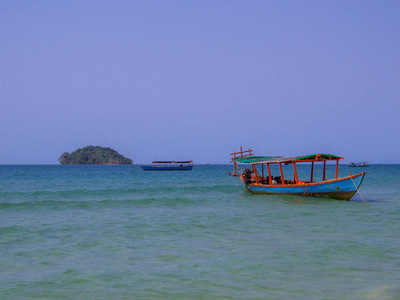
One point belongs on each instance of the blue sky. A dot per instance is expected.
(159, 80)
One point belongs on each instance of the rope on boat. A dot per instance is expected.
(359, 191)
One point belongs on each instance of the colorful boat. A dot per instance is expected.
(359, 164)
(185, 165)
(260, 180)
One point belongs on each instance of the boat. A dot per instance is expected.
(258, 178)
(185, 165)
(359, 164)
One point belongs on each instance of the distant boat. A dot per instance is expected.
(359, 164)
(185, 165)
(258, 177)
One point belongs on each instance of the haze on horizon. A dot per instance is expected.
(161, 80)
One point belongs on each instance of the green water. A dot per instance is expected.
(117, 232)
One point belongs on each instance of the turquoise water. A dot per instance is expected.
(117, 232)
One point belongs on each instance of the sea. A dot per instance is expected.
(118, 232)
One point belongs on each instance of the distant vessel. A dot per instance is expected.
(258, 178)
(178, 165)
(359, 164)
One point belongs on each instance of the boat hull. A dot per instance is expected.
(151, 168)
(358, 166)
(341, 188)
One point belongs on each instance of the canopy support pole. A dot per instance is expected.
(312, 172)
(337, 169)
(256, 174)
(269, 174)
(282, 177)
(296, 175)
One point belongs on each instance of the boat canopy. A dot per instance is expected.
(251, 159)
(319, 156)
(256, 160)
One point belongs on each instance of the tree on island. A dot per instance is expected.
(94, 155)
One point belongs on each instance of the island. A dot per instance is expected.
(94, 155)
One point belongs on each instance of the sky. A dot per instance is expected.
(178, 80)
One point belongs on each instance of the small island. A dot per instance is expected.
(94, 155)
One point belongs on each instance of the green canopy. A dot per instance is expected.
(250, 159)
(280, 159)
(320, 155)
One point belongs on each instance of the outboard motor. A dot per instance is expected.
(246, 176)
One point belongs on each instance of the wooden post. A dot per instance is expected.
(312, 172)
(282, 177)
(238, 168)
(256, 174)
(324, 176)
(296, 176)
(337, 169)
(269, 174)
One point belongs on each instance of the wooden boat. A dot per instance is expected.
(169, 166)
(359, 164)
(260, 180)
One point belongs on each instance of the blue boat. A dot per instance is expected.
(359, 164)
(186, 165)
(257, 180)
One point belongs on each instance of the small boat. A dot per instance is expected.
(185, 165)
(359, 164)
(260, 180)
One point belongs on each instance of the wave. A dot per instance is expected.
(84, 192)
(91, 202)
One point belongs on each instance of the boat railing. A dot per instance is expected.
(243, 153)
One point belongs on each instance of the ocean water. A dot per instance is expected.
(117, 232)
